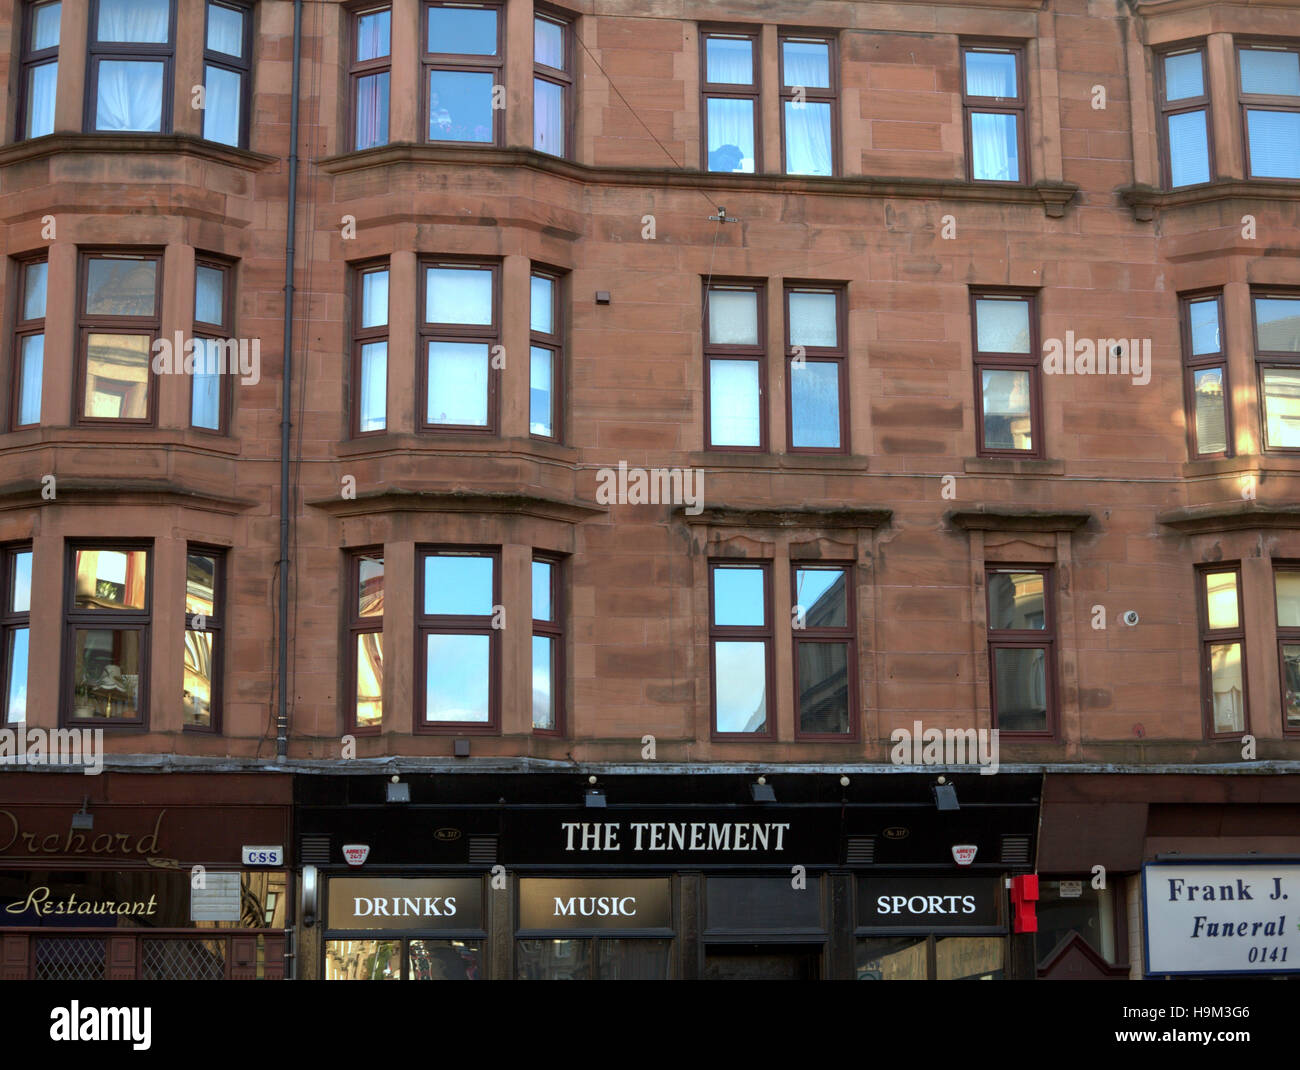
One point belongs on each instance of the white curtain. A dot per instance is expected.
(813, 320)
(33, 363)
(1225, 671)
(458, 383)
(995, 148)
(733, 403)
(815, 404)
(548, 117)
(458, 295)
(374, 299)
(373, 402)
(205, 401)
(731, 134)
(225, 30)
(41, 92)
(209, 290)
(223, 98)
(130, 95)
(733, 317)
(135, 21)
(540, 378)
(807, 138)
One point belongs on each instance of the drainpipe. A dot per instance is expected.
(282, 713)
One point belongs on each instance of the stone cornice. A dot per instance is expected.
(1013, 518)
(128, 144)
(1147, 200)
(118, 492)
(1230, 516)
(405, 500)
(744, 516)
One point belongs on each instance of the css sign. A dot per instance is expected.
(264, 856)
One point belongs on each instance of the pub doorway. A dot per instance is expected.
(762, 962)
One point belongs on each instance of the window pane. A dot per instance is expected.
(1288, 598)
(1221, 599)
(373, 35)
(117, 376)
(372, 111)
(969, 958)
(741, 672)
(1189, 149)
(463, 31)
(995, 147)
(543, 682)
(1006, 410)
(1277, 320)
(1184, 77)
(893, 958)
(209, 294)
(807, 138)
(1016, 600)
(548, 117)
(36, 278)
(110, 579)
(1291, 684)
(196, 696)
(374, 299)
(728, 61)
(553, 960)
(45, 26)
(370, 679)
(1274, 143)
(42, 91)
(200, 584)
(458, 295)
(444, 960)
(1270, 73)
(633, 960)
(540, 379)
(460, 106)
(31, 375)
(457, 585)
(991, 74)
(733, 317)
(225, 30)
(205, 395)
(548, 43)
(373, 403)
(106, 673)
(1225, 687)
(1282, 407)
(363, 960)
(134, 20)
(813, 320)
(1001, 326)
(21, 596)
(807, 64)
(223, 101)
(731, 134)
(1021, 688)
(458, 383)
(370, 585)
(822, 595)
(738, 596)
(823, 687)
(542, 294)
(130, 95)
(1204, 317)
(1090, 913)
(1211, 414)
(733, 403)
(815, 405)
(542, 573)
(16, 691)
(458, 668)
(122, 287)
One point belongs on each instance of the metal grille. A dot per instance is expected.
(69, 958)
(183, 960)
(860, 851)
(1015, 850)
(483, 849)
(315, 850)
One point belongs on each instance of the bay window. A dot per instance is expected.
(15, 631)
(463, 58)
(552, 84)
(1286, 589)
(1184, 117)
(459, 641)
(226, 73)
(370, 349)
(365, 620)
(1276, 318)
(40, 69)
(132, 51)
(214, 355)
(205, 596)
(371, 71)
(1205, 370)
(544, 357)
(460, 338)
(548, 646)
(29, 343)
(119, 303)
(1270, 109)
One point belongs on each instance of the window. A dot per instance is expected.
(1007, 390)
(994, 102)
(920, 957)
(1205, 372)
(365, 617)
(131, 54)
(1277, 356)
(1223, 650)
(460, 336)
(1067, 908)
(1022, 645)
(370, 349)
(816, 368)
(107, 618)
(740, 647)
(548, 647)
(119, 320)
(730, 102)
(15, 628)
(205, 590)
(463, 64)
(545, 359)
(458, 633)
(371, 67)
(1270, 108)
(216, 353)
(1286, 586)
(29, 344)
(1184, 117)
(226, 80)
(825, 651)
(40, 70)
(588, 959)
(808, 105)
(552, 84)
(735, 343)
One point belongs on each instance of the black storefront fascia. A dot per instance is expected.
(827, 881)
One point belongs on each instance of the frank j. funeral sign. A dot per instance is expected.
(1222, 917)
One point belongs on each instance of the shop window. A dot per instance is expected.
(120, 298)
(1022, 650)
(15, 631)
(729, 103)
(816, 368)
(993, 97)
(372, 63)
(808, 104)
(462, 69)
(740, 647)
(411, 960)
(40, 69)
(1184, 117)
(460, 337)
(205, 591)
(365, 616)
(227, 73)
(370, 349)
(548, 647)
(1286, 583)
(459, 636)
(218, 357)
(132, 52)
(545, 356)
(931, 957)
(107, 626)
(29, 343)
(762, 906)
(735, 344)
(1007, 385)
(1270, 108)
(825, 651)
(1067, 907)
(552, 84)
(1277, 356)
(605, 959)
(1223, 650)
(1205, 372)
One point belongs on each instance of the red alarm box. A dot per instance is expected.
(1024, 894)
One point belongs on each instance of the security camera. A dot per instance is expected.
(1131, 617)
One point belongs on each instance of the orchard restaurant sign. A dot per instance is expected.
(16, 840)
(1221, 917)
